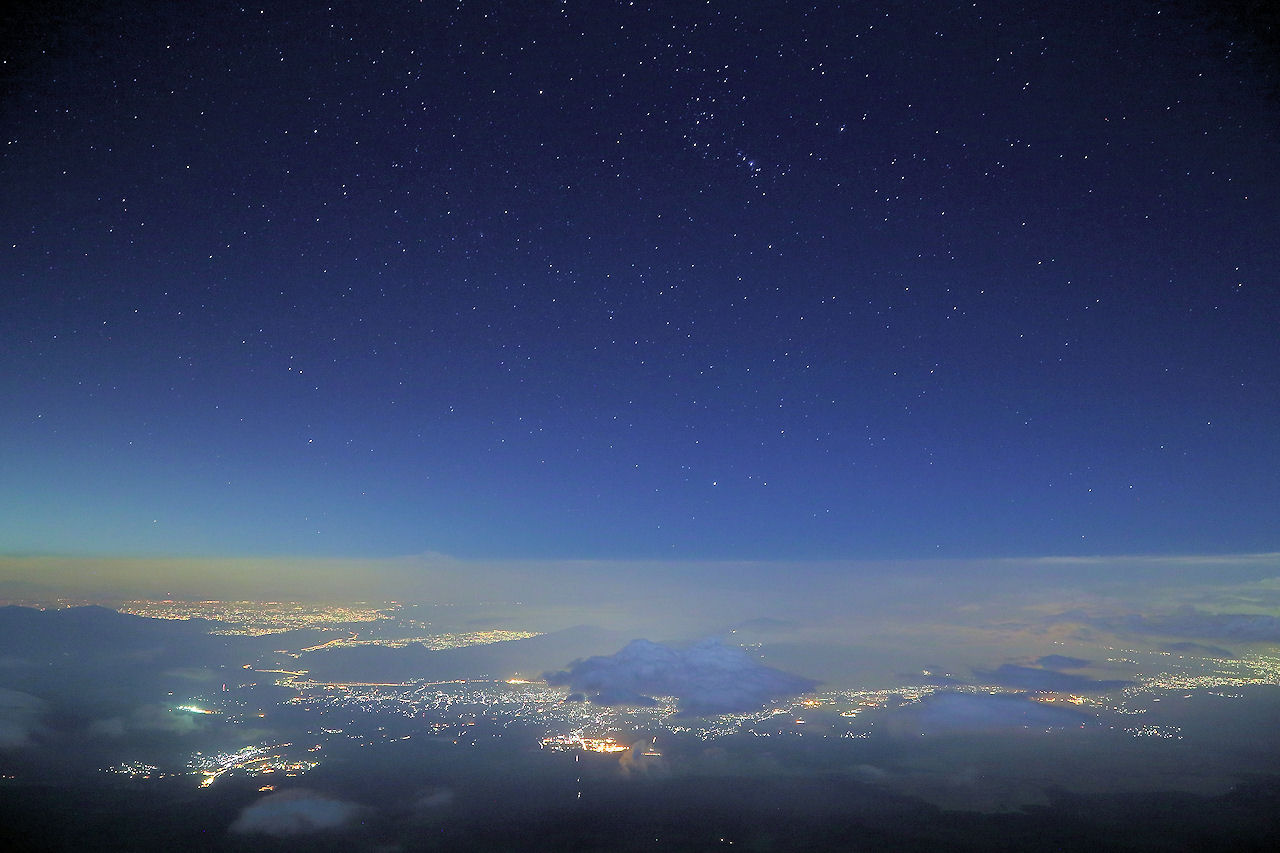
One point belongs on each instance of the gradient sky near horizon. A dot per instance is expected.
(621, 280)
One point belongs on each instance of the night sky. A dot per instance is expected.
(615, 280)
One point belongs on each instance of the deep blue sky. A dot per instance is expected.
(615, 280)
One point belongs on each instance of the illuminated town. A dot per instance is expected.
(531, 714)
(256, 618)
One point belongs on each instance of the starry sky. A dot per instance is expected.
(603, 279)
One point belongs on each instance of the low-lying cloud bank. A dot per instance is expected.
(296, 812)
(706, 678)
(20, 715)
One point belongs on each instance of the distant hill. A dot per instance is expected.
(1199, 649)
(82, 655)
(91, 630)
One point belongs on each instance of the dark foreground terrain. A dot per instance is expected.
(782, 814)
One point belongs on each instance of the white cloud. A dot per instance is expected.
(19, 718)
(295, 812)
(706, 678)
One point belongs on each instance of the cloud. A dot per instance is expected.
(642, 759)
(295, 812)
(706, 678)
(869, 773)
(19, 718)
(431, 806)
(149, 718)
(108, 727)
(432, 799)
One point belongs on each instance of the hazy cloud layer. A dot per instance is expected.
(707, 678)
(295, 812)
(1190, 622)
